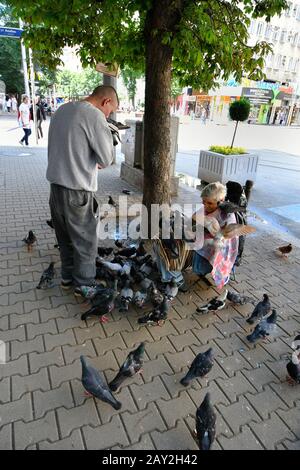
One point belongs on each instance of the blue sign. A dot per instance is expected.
(10, 32)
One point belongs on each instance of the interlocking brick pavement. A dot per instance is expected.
(42, 404)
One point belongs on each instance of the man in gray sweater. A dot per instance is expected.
(79, 143)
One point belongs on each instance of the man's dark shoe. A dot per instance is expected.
(50, 223)
(66, 284)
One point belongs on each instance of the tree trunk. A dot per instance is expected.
(234, 133)
(157, 102)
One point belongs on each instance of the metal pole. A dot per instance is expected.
(33, 94)
(111, 81)
(24, 63)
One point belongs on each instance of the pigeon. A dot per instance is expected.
(30, 240)
(239, 299)
(119, 244)
(111, 202)
(50, 223)
(205, 424)
(285, 250)
(157, 316)
(115, 268)
(95, 385)
(146, 284)
(261, 310)
(296, 343)
(217, 303)
(140, 298)
(264, 328)
(227, 207)
(293, 368)
(156, 296)
(171, 290)
(118, 124)
(127, 252)
(46, 280)
(126, 191)
(126, 296)
(131, 366)
(101, 306)
(200, 366)
(104, 251)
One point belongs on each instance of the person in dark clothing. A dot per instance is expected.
(40, 116)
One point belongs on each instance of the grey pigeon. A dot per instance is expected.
(129, 368)
(157, 316)
(171, 290)
(239, 299)
(47, 277)
(228, 207)
(95, 385)
(260, 311)
(264, 328)
(140, 297)
(126, 296)
(102, 304)
(200, 366)
(205, 424)
(156, 296)
(146, 284)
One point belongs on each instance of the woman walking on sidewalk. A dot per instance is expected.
(25, 120)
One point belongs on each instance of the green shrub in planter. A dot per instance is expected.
(226, 150)
(239, 111)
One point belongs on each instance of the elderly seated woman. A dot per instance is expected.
(219, 250)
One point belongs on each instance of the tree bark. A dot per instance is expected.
(161, 19)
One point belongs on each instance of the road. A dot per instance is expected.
(276, 194)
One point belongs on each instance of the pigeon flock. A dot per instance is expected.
(127, 274)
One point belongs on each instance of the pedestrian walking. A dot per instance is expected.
(79, 142)
(40, 117)
(14, 104)
(24, 119)
(8, 104)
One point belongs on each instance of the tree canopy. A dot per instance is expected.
(197, 41)
(70, 84)
(10, 55)
(209, 39)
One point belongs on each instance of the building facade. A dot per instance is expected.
(276, 99)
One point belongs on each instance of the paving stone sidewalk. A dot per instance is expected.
(42, 405)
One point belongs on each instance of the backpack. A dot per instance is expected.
(238, 194)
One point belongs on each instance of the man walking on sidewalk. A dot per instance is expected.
(79, 142)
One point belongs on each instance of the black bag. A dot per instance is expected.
(236, 195)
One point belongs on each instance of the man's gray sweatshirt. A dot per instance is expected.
(79, 139)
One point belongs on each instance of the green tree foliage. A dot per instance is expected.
(10, 55)
(198, 41)
(130, 77)
(239, 111)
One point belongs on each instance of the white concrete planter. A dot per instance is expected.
(217, 167)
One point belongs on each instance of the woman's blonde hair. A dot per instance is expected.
(215, 191)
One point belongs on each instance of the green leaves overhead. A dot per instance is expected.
(209, 40)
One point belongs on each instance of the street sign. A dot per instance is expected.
(10, 32)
